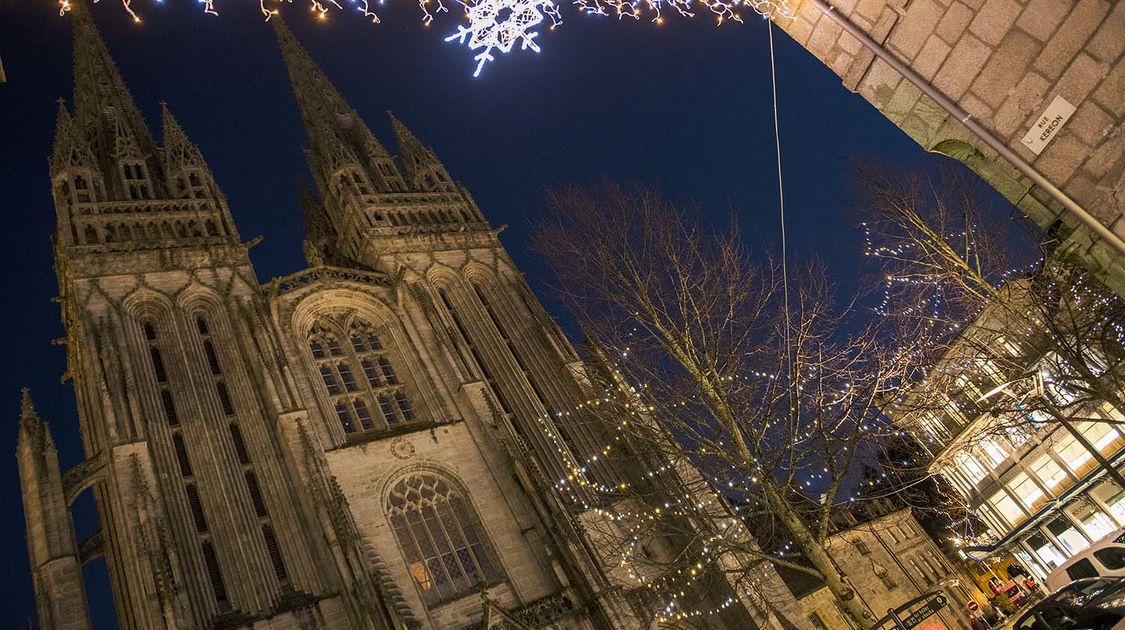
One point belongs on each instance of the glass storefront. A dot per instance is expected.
(1110, 495)
(1067, 534)
(1077, 458)
(1007, 507)
(995, 452)
(1027, 491)
(970, 467)
(1096, 524)
(1045, 550)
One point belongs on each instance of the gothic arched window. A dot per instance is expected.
(440, 538)
(366, 393)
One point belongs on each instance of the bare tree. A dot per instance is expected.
(754, 374)
(1022, 339)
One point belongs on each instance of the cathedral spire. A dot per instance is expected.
(27, 408)
(338, 138)
(70, 149)
(423, 169)
(319, 101)
(179, 150)
(102, 101)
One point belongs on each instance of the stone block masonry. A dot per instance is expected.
(1004, 62)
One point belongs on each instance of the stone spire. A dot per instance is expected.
(423, 169)
(320, 238)
(339, 141)
(320, 102)
(51, 547)
(27, 408)
(178, 149)
(70, 149)
(104, 109)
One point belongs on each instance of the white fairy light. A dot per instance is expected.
(498, 25)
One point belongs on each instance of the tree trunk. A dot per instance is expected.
(818, 556)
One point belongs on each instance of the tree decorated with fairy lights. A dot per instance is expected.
(753, 374)
(1023, 339)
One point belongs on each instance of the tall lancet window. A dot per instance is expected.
(356, 370)
(440, 538)
(183, 464)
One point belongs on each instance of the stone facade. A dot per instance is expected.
(890, 561)
(1004, 62)
(372, 442)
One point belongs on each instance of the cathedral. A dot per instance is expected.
(372, 442)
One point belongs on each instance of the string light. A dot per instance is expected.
(492, 26)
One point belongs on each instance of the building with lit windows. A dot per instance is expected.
(982, 414)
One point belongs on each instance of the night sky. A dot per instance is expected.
(683, 105)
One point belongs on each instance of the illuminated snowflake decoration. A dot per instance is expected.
(499, 24)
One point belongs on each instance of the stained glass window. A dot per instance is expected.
(439, 536)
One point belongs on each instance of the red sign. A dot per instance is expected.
(973, 606)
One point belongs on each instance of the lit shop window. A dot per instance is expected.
(1046, 551)
(995, 452)
(1093, 520)
(1027, 491)
(1101, 435)
(972, 469)
(1066, 533)
(1050, 473)
(1077, 458)
(1109, 494)
(1007, 507)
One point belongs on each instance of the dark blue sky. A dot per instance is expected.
(684, 105)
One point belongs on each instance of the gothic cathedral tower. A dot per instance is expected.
(373, 442)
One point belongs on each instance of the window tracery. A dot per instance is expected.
(357, 373)
(438, 532)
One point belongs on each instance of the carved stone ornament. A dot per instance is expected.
(402, 448)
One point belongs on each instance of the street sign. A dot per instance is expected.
(1048, 125)
(973, 606)
(925, 612)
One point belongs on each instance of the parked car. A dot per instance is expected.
(1086, 604)
(1105, 558)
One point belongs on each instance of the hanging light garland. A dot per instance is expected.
(499, 26)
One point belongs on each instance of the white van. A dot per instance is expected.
(1105, 558)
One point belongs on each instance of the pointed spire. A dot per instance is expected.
(35, 434)
(99, 90)
(320, 103)
(70, 148)
(320, 239)
(27, 408)
(317, 227)
(313, 90)
(423, 169)
(178, 149)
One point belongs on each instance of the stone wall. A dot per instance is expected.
(364, 472)
(890, 561)
(1004, 62)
